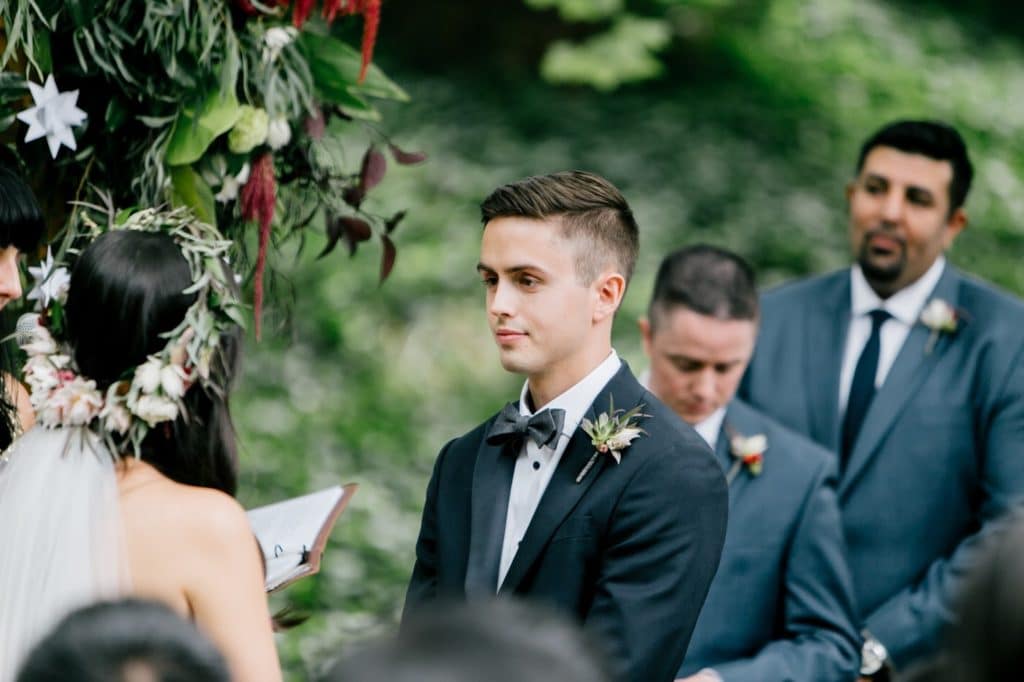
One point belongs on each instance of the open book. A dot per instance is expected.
(293, 533)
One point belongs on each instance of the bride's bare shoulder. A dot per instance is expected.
(198, 515)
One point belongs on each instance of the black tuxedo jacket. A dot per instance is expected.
(630, 550)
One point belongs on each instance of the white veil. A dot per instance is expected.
(61, 539)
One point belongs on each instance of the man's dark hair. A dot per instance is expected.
(591, 210)
(707, 280)
(496, 640)
(119, 641)
(934, 139)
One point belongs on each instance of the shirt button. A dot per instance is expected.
(536, 466)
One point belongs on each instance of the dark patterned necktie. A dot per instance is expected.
(862, 388)
(542, 428)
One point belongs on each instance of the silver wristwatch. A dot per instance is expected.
(872, 655)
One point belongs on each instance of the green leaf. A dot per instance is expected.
(115, 115)
(189, 189)
(335, 68)
(194, 131)
(623, 54)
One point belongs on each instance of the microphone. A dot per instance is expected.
(26, 330)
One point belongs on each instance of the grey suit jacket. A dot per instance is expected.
(940, 455)
(781, 605)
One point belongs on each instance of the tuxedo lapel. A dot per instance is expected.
(911, 367)
(492, 481)
(826, 324)
(563, 493)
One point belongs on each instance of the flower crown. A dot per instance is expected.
(153, 392)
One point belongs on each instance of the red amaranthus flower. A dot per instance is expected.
(371, 20)
(259, 196)
(300, 11)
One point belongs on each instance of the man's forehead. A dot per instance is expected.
(907, 168)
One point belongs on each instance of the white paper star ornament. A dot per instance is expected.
(52, 116)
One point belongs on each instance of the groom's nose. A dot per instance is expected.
(502, 300)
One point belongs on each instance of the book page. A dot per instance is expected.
(288, 531)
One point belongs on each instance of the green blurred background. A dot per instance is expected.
(724, 121)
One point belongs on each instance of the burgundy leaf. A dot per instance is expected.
(316, 125)
(374, 166)
(393, 221)
(407, 158)
(334, 232)
(387, 260)
(356, 230)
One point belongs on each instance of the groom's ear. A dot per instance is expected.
(609, 288)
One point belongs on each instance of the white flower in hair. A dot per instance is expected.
(147, 375)
(154, 409)
(172, 380)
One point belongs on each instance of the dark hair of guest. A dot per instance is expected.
(706, 280)
(934, 139)
(123, 641)
(591, 210)
(126, 291)
(21, 226)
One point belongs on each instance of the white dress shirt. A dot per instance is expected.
(535, 465)
(711, 427)
(905, 306)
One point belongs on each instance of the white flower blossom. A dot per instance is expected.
(939, 316)
(745, 447)
(172, 380)
(52, 116)
(49, 284)
(154, 409)
(147, 375)
(275, 40)
(279, 133)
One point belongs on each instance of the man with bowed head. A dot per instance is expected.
(912, 373)
(620, 528)
(781, 605)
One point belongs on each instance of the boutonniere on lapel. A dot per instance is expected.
(941, 318)
(612, 433)
(748, 453)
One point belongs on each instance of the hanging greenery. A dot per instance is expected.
(234, 108)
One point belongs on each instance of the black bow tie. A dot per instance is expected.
(542, 428)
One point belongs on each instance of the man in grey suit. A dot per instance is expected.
(780, 607)
(912, 372)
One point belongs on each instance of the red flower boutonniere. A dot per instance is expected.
(748, 454)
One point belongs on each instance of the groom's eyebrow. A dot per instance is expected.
(512, 270)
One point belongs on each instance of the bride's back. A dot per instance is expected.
(186, 541)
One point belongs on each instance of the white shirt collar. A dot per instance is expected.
(905, 305)
(578, 399)
(709, 428)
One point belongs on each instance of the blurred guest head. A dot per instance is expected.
(21, 229)
(986, 644)
(498, 641)
(125, 641)
(700, 329)
(906, 201)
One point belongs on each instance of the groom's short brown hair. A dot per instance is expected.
(592, 212)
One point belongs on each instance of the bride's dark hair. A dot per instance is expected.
(126, 290)
(21, 226)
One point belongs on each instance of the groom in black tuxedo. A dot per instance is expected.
(624, 534)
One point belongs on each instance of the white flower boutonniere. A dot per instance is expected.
(749, 453)
(612, 433)
(941, 318)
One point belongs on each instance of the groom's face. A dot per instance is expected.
(540, 313)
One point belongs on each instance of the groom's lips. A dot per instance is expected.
(507, 336)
